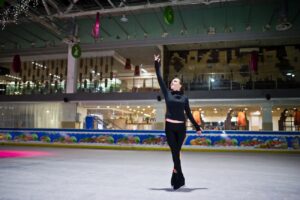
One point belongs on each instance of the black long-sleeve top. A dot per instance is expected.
(176, 102)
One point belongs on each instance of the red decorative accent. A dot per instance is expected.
(128, 64)
(16, 65)
(137, 71)
(254, 61)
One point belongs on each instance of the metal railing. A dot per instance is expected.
(205, 82)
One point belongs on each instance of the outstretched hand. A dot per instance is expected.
(157, 58)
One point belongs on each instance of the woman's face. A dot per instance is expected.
(175, 84)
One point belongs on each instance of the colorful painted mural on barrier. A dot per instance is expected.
(209, 139)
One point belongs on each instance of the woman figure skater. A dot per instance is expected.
(176, 103)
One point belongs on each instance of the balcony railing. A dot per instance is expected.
(208, 81)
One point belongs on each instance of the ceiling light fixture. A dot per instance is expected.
(228, 29)
(248, 28)
(283, 23)
(211, 30)
(267, 27)
(207, 2)
(183, 31)
(165, 34)
(124, 18)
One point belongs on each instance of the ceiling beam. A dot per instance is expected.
(38, 19)
(8, 40)
(48, 19)
(295, 17)
(141, 26)
(46, 7)
(147, 6)
(105, 31)
(272, 16)
(266, 38)
(161, 24)
(70, 7)
(249, 16)
(99, 4)
(33, 34)
(184, 30)
(19, 36)
(59, 37)
(44, 23)
(54, 5)
(111, 3)
(121, 27)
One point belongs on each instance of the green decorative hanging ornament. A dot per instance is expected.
(169, 15)
(1, 3)
(76, 51)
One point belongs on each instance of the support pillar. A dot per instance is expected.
(72, 72)
(160, 116)
(267, 123)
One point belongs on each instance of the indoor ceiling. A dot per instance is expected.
(51, 22)
(197, 24)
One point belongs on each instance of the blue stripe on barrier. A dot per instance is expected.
(154, 131)
(211, 139)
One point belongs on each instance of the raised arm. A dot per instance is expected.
(190, 116)
(162, 85)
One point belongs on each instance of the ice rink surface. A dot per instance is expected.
(87, 174)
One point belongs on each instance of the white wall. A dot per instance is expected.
(69, 112)
(214, 118)
(82, 114)
(255, 122)
(275, 123)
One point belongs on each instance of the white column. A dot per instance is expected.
(160, 116)
(72, 72)
(267, 123)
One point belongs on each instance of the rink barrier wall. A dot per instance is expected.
(153, 139)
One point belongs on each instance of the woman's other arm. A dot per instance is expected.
(190, 116)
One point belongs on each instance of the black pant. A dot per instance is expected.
(175, 133)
